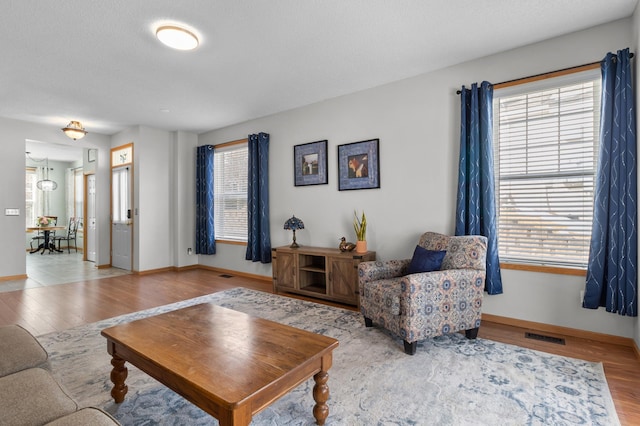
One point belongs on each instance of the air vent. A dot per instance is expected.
(542, 337)
(226, 276)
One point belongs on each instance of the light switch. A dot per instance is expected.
(12, 212)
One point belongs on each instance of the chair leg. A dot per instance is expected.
(368, 322)
(472, 333)
(410, 348)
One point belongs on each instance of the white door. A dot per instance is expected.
(90, 220)
(122, 218)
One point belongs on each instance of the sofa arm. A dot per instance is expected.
(381, 270)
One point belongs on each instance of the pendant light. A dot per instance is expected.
(46, 184)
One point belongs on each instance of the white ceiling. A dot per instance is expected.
(99, 62)
(54, 152)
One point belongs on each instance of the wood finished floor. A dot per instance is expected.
(53, 308)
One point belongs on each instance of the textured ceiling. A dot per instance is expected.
(99, 62)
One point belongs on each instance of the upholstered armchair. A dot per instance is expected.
(418, 306)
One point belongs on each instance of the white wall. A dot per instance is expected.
(12, 163)
(183, 198)
(153, 167)
(417, 122)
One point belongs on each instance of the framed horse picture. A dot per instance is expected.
(359, 165)
(310, 163)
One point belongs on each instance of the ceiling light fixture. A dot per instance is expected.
(46, 184)
(74, 130)
(177, 37)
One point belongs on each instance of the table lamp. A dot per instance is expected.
(294, 223)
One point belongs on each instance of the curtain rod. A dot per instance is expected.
(592, 64)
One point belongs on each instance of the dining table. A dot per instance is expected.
(48, 243)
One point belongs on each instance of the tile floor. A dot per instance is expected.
(59, 268)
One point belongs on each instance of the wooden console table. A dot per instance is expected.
(325, 273)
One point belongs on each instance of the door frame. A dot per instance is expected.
(84, 214)
(114, 165)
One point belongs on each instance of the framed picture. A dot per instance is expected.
(310, 163)
(359, 165)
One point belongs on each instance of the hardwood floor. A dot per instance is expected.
(54, 308)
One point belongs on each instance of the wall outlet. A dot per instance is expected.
(12, 212)
(189, 251)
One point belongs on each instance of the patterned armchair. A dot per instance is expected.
(427, 304)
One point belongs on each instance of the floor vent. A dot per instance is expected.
(226, 276)
(550, 339)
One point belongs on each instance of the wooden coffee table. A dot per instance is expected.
(228, 363)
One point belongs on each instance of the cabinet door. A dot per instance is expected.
(285, 270)
(343, 279)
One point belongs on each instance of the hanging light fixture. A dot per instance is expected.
(74, 130)
(46, 184)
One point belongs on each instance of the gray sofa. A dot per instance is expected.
(29, 394)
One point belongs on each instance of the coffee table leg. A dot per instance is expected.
(321, 395)
(118, 376)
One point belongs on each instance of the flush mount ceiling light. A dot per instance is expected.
(74, 130)
(177, 37)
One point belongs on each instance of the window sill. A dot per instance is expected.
(232, 242)
(546, 269)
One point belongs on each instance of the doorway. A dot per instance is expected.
(67, 164)
(121, 205)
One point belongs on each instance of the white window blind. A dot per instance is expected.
(546, 146)
(31, 199)
(230, 192)
(78, 195)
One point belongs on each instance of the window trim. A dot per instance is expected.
(244, 141)
(546, 76)
(559, 270)
(523, 266)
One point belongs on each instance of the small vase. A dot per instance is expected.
(361, 246)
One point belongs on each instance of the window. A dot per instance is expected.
(121, 194)
(78, 195)
(31, 201)
(546, 145)
(230, 191)
(120, 200)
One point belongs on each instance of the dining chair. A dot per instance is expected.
(72, 230)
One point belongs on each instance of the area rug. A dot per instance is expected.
(449, 381)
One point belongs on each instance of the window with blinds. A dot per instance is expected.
(546, 146)
(230, 171)
(31, 199)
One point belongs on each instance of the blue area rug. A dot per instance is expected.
(450, 380)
